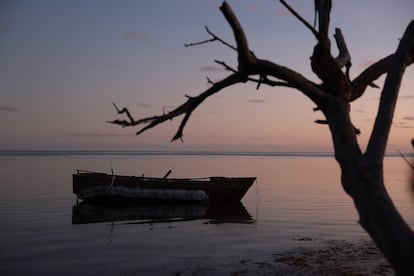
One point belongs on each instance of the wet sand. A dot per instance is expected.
(333, 257)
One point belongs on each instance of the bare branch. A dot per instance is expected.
(323, 10)
(321, 122)
(344, 58)
(403, 57)
(221, 40)
(245, 57)
(309, 26)
(199, 43)
(214, 38)
(406, 160)
(369, 75)
(124, 123)
(227, 67)
(248, 65)
(210, 81)
(189, 106)
(292, 79)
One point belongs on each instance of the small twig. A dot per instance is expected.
(321, 122)
(126, 111)
(227, 67)
(261, 78)
(210, 81)
(372, 84)
(309, 26)
(199, 43)
(220, 40)
(214, 38)
(406, 160)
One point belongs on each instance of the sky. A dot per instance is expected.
(64, 62)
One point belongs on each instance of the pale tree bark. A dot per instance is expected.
(361, 173)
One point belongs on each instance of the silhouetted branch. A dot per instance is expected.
(124, 123)
(321, 122)
(369, 75)
(263, 79)
(214, 38)
(344, 57)
(245, 56)
(190, 105)
(309, 26)
(406, 160)
(323, 11)
(248, 65)
(227, 67)
(403, 57)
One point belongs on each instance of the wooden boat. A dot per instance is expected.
(93, 186)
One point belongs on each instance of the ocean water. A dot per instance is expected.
(297, 201)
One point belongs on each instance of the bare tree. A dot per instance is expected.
(361, 172)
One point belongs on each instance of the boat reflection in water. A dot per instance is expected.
(86, 212)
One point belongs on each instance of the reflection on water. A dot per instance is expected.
(92, 213)
(295, 196)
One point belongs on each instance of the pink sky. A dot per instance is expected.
(63, 64)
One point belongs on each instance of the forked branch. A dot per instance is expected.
(369, 75)
(214, 38)
(185, 109)
(344, 57)
(403, 57)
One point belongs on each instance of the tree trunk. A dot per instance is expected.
(364, 182)
(362, 173)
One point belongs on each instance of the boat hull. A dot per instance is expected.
(104, 187)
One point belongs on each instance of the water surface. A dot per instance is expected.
(297, 198)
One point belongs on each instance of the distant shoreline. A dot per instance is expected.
(173, 153)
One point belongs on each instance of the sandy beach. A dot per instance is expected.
(333, 257)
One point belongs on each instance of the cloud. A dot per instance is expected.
(401, 125)
(404, 124)
(141, 37)
(169, 107)
(257, 138)
(282, 12)
(143, 105)
(367, 62)
(98, 134)
(407, 97)
(7, 108)
(109, 64)
(210, 68)
(256, 101)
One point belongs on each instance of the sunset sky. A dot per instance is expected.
(63, 63)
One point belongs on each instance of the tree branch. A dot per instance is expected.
(323, 11)
(344, 57)
(186, 108)
(309, 26)
(369, 75)
(245, 57)
(293, 78)
(214, 38)
(403, 57)
(263, 78)
(248, 65)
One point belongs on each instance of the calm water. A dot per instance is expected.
(296, 197)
